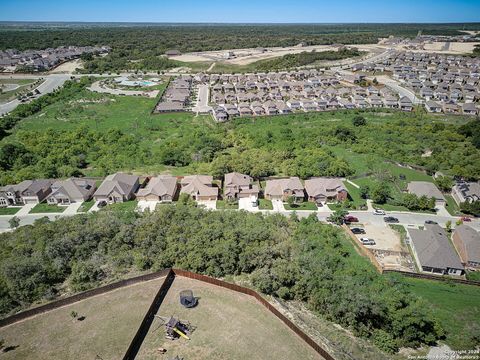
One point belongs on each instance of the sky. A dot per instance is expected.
(238, 11)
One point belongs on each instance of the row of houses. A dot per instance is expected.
(121, 187)
(447, 83)
(435, 253)
(41, 60)
(177, 96)
(287, 92)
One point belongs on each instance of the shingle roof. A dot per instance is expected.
(160, 186)
(471, 242)
(278, 186)
(426, 188)
(433, 248)
(323, 186)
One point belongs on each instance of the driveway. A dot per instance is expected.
(246, 204)
(94, 207)
(25, 210)
(208, 204)
(147, 204)
(278, 205)
(72, 209)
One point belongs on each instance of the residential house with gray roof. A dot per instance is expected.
(117, 188)
(467, 243)
(159, 188)
(73, 190)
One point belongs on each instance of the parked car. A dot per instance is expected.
(390, 219)
(358, 230)
(378, 212)
(367, 241)
(431, 222)
(466, 219)
(350, 218)
(102, 204)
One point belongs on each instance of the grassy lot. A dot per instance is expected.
(456, 306)
(306, 205)
(46, 208)
(229, 325)
(87, 205)
(227, 205)
(354, 195)
(452, 206)
(124, 206)
(264, 204)
(110, 323)
(9, 210)
(473, 275)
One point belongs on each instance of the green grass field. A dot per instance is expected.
(264, 204)
(456, 306)
(227, 205)
(123, 206)
(87, 205)
(9, 210)
(46, 208)
(306, 205)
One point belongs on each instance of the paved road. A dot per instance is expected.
(51, 83)
(395, 86)
(202, 100)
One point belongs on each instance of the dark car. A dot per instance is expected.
(390, 219)
(431, 222)
(102, 204)
(350, 219)
(358, 231)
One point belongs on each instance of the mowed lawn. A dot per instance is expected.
(110, 323)
(229, 325)
(456, 306)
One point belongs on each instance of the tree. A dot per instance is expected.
(380, 192)
(292, 201)
(364, 191)
(444, 183)
(472, 208)
(14, 222)
(338, 216)
(448, 225)
(359, 121)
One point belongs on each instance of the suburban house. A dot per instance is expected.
(199, 187)
(428, 189)
(467, 242)
(466, 192)
(73, 190)
(236, 186)
(159, 188)
(10, 194)
(116, 188)
(33, 191)
(433, 252)
(321, 190)
(282, 189)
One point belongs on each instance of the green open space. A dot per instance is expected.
(47, 208)
(305, 205)
(9, 210)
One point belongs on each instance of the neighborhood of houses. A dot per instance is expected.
(12, 60)
(446, 83)
(432, 250)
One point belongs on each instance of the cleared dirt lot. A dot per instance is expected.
(111, 321)
(229, 325)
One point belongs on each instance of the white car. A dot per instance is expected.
(367, 241)
(378, 212)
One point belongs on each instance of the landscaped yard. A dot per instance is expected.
(264, 204)
(227, 205)
(306, 205)
(9, 210)
(87, 205)
(46, 208)
(452, 206)
(110, 323)
(229, 325)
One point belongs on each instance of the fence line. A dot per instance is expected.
(142, 331)
(264, 302)
(441, 278)
(81, 296)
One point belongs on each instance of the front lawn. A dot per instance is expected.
(452, 206)
(9, 210)
(46, 208)
(227, 205)
(124, 206)
(264, 204)
(306, 205)
(87, 205)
